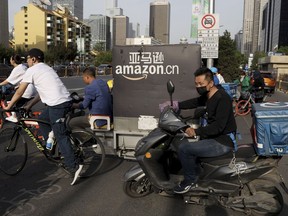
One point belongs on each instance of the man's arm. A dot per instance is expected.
(18, 94)
(32, 102)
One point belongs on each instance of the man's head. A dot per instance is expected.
(15, 60)
(88, 75)
(34, 56)
(203, 80)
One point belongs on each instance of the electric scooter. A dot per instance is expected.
(239, 180)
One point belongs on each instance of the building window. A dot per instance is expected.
(26, 46)
(26, 28)
(26, 40)
(26, 34)
(26, 21)
(25, 15)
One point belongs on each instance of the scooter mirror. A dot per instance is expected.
(170, 89)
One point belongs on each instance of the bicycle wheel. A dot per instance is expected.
(241, 109)
(91, 151)
(13, 150)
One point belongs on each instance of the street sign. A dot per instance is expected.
(208, 35)
(209, 21)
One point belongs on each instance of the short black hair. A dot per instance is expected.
(17, 58)
(204, 71)
(89, 71)
(36, 53)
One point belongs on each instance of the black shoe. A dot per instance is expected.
(184, 187)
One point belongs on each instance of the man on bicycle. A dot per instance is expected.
(56, 97)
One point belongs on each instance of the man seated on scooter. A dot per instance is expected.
(216, 138)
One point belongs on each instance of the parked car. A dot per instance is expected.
(269, 80)
(104, 69)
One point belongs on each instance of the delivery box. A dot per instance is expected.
(271, 128)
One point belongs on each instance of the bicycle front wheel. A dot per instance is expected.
(91, 152)
(242, 108)
(13, 150)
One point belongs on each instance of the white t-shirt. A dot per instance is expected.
(48, 84)
(16, 77)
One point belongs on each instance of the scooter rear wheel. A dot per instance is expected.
(137, 189)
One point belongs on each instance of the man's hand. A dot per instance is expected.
(175, 105)
(190, 132)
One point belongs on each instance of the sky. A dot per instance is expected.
(230, 14)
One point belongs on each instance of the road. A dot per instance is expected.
(44, 189)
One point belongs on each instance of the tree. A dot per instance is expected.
(61, 54)
(256, 56)
(283, 49)
(104, 57)
(5, 54)
(229, 59)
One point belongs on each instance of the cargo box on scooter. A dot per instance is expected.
(271, 128)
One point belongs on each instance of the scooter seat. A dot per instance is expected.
(244, 153)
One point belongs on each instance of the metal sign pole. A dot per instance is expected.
(210, 61)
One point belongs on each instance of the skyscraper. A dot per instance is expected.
(75, 6)
(160, 20)
(120, 30)
(248, 27)
(275, 25)
(257, 24)
(4, 28)
(100, 30)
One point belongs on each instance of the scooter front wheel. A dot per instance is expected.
(137, 189)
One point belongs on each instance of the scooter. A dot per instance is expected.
(239, 180)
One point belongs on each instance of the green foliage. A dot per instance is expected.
(229, 59)
(104, 57)
(60, 55)
(283, 49)
(100, 46)
(5, 54)
(256, 56)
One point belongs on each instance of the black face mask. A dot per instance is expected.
(202, 90)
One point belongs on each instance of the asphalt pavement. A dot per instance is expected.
(43, 189)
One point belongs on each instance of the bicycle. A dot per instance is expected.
(244, 105)
(14, 150)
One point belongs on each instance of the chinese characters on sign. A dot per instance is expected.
(208, 35)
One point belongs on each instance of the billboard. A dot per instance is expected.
(141, 72)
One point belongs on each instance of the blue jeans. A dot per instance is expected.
(188, 152)
(52, 114)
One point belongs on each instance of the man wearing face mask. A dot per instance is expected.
(216, 138)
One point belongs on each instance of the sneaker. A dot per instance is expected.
(184, 187)
(77, 170)
(12, 119)
(73, 172)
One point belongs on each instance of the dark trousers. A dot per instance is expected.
(188, 153)
(52, 114)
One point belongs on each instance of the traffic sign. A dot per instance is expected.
(208, 35)
(209, 21)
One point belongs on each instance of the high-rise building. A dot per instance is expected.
(239, 40)
(4, 28)
(160, 20)
(112, 10)
(100, 30)
(74, 6)
(120, 30)
(248, 27)
(275, 25)
(38, 2)
(257, 24)
(36, 27)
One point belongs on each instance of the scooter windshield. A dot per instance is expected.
(169, 121)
